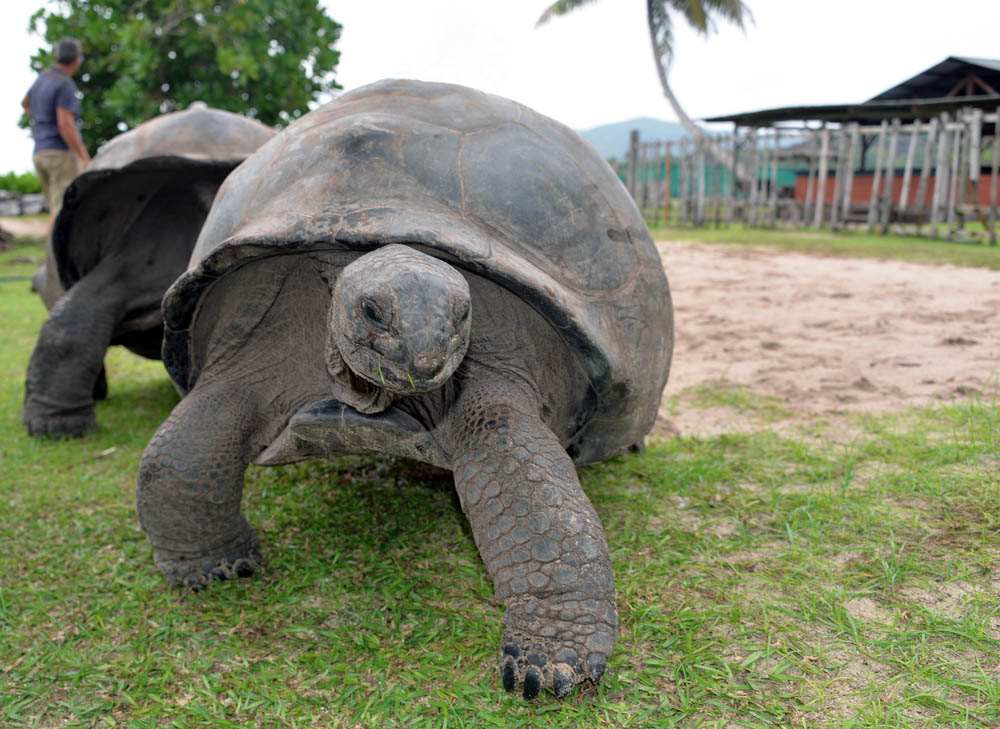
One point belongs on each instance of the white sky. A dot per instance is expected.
(595, 66)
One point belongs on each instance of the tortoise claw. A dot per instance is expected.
(532, 683)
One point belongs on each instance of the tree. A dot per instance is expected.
(700, 15)
(264, 58)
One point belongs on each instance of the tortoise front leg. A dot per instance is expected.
(67, 364)
(541, 540)
(189, 487)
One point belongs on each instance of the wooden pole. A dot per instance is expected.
(810, 182)
(962, 171)
(633, 161)
(877, 179)
(733, 161)
(940, 174)
(838, 178)
(718, 183)
(668, 177)
(772, 213)
(754, 175)
(904, 192)
(925, 172)
(975, 163)
(955, 173)
(855, 143)
(890, 176)
(993, 178)
(700, 177)
(682, 180)
(824, 153)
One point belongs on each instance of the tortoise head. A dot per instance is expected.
(400, 320)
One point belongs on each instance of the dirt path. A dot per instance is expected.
(27, 225)
(829, 334)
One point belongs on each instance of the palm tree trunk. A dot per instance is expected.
(686, 121)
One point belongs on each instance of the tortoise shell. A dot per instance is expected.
(482, 183)
(193, 149)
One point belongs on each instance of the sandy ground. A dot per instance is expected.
(828, 334)
(25, 226)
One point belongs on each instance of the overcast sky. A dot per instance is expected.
(595, 66)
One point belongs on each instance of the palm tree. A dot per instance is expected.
(700, 15)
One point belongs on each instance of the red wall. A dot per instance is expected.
(861, 190)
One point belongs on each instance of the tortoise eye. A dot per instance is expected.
(373, 313)
(462, 313)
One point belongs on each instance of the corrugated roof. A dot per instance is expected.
(869, 111)
(920, 97)
(941, 79)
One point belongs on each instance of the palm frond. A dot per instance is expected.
(700, 15)
(560, 7)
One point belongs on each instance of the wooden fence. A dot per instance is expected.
(936, 177)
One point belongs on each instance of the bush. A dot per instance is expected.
(23, 184)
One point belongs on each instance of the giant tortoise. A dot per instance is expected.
(124, 233)
(430, 272)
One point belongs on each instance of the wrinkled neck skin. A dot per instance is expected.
(351, 389)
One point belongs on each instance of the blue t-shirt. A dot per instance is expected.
(52, 90)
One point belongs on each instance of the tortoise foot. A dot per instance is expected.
(196, 571)
(556, 643)
(41, 420)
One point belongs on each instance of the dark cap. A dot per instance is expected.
(68, 50)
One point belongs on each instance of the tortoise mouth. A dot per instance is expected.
(418, 376)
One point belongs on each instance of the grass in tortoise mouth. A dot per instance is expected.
(381, 377)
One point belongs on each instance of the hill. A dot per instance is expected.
(611, 140)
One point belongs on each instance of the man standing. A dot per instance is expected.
(53, 107)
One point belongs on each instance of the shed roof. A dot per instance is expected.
(954, 76)
(954, 83)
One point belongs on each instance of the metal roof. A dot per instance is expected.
(924, 96)
(943, 80)
(867, 112)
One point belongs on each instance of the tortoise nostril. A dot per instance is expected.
(428, 363)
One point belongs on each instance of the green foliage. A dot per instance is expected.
(24, 183)
(265, 58)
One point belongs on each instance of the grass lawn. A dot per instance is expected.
(839, 573)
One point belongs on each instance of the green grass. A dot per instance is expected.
(843, 243)
(841, 573)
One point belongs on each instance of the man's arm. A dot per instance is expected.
(71, 135)
(26, 105)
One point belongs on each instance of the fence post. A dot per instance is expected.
(754, 175)
(824, 153)
(772, 213)
(877, 176)
(633, 161)
(855, 142)
(940, 197)
(810, 179)
(993, 178)
(838, 178)
(734, 162)
(955, 173)
(904, 191)
(668, 177)
(925, 172)
(975, 161)
(890, 177)
(699, 177)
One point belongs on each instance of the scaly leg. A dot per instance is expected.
(189, 487)
(67, 363)
(540, 538)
